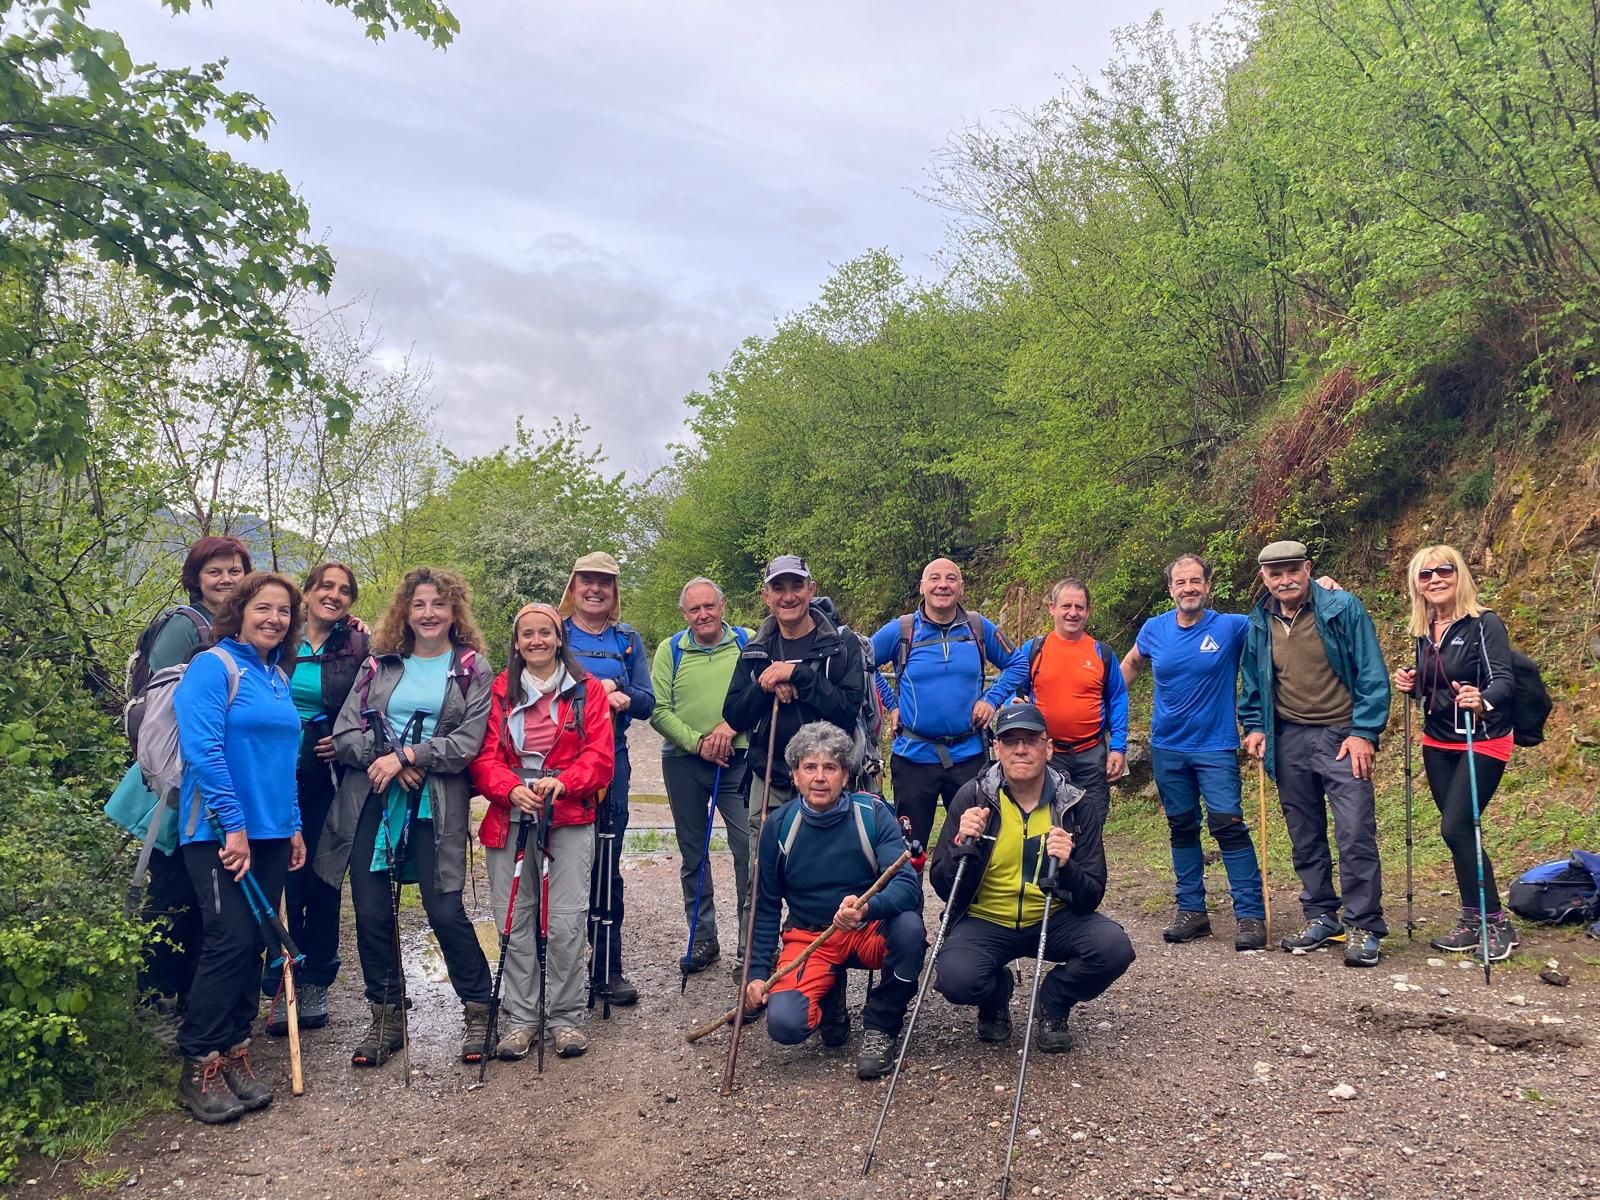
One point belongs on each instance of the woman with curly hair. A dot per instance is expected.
(237, 812)
(1462, 673)
(412, 723)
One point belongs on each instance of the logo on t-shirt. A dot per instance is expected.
(1208, 645)
(1458, 641)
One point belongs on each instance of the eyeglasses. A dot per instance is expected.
(1443, 571)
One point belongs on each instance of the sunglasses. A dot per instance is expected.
(1443, 571)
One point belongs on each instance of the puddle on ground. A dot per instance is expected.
(1466, 1028)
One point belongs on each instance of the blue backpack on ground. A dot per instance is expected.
(1565, 891)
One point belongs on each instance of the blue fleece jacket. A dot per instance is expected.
(239, 761)
(825, 864)
(618, 655)
(943, 679)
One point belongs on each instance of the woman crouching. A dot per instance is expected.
(548, 750)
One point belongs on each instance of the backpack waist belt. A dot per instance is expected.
(940, 744)
(1069, 748)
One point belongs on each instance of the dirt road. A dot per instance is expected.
(1203, 1073)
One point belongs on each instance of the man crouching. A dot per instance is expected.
(819, 853)
(1005, 824)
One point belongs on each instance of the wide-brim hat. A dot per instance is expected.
(596, 562)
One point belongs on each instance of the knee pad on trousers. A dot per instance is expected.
(788, 1018)
(1185, 829)
(1230, 831)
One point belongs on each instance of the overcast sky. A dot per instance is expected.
(584, 207)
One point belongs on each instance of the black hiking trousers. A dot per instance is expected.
(313, 906)
(1452, 792)
(170, 954)
(226, 994)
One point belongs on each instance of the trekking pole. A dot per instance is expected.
(1411, 925)
(541, 930)
(397, 862)
(811, 948)
(274, 932)
(1027, 1037)
(1266, 896)
(523, 829)
(911, 1022)
(1477, 842)
(755, 895)
(700, 884)
(600, 908)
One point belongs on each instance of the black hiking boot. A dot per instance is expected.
(622, 992)
(1318, 932)
(381, 1039)
(835, 1024)
(994, 1014)
(1465, 936)
(278, 1016)
(702, 956)
(1054, 1037)
(205, 1093)
(242, 1081)
(475, 1034)
(1187, 926)
(1503, 938)
(1250, 935)
(1360, 947)
(876, 1055)
(312, 999)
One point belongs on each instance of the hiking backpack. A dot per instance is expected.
(741, 635)
(159, 756)
(1560, 892)
(140, 675)
(1036, 652)
(904, 647)
(866, 762)
(1530, 700)
(861, 808)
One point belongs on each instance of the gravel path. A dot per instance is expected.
(1203, 1073)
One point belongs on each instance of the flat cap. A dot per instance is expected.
(1283, 552)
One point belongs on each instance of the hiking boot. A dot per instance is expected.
(514, 1044)
(205, 1093)
(1187, 926)
(876, 1055)
(312, 999)
(1250, 935)
(242, 1081)
(835, 1024)
(1503, 938)
(570, 1041)
(994, 1014)
(1360, 947)
(475, 1034)
(278, 1016)
(1463, 937)
(381, 1039)
(166, 1018)
(1319, 931)
(701, 957)
(622, 992)
(1054, 1037)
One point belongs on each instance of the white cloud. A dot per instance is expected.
(585, 206)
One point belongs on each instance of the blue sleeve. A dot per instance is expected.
(994, 646)
(903, 892)
(1144, 643)
(641, 692)
(769, 902)
(884, 643)
(200, 705)
(885, 692)
(1116, 701)
(1013, 681)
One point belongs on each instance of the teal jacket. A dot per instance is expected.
(1351, 642)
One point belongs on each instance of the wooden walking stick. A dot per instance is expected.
(733, 1014)
(291, 1009)
(755, 892)
(1266, 896)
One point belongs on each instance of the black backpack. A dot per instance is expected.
(1565, 891)
(1530, 701)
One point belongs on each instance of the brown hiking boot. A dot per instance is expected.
(475, 1037)
(242, 1081)
(205, 1093)
(381, 1039)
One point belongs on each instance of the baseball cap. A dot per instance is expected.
(786, 564)
(1019, 716)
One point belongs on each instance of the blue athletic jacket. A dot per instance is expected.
(240, 760)
(942, 681)
(1351, 642)
(617, 654)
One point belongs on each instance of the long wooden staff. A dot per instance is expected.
(732, 1014)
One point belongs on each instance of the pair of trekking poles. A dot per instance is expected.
(539, 825)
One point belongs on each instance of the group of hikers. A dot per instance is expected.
(316, 749)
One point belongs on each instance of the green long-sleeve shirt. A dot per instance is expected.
(690, 706)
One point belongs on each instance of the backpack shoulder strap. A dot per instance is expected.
(786, 842)
(232, 668)
(741, 635)
(577, 712)
(1035, 653)
(902, 649)
(861, 811)
(677, 651)
(975, 623)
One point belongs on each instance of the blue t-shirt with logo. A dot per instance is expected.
(1197, 675)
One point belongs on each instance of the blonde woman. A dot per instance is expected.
(1462, 673)
(428, 679)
